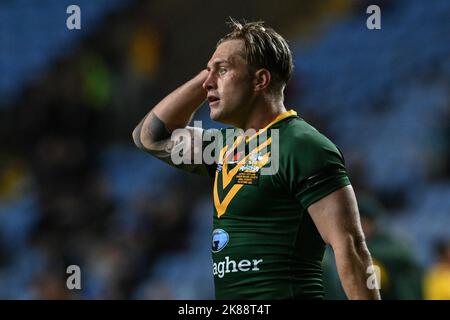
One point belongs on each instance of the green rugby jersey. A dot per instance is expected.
(264, 243)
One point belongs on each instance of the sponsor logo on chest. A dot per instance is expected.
(220, 239)
(221, 268)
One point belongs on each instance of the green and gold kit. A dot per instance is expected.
(264, 243)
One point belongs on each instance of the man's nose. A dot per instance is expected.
(209, 83)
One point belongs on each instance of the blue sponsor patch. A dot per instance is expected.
(219, 240)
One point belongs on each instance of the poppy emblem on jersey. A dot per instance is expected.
(219, 240)
(255, 162)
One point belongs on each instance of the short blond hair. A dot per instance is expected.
(264, 48)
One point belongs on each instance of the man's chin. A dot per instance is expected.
(214, 115)
(218, 116)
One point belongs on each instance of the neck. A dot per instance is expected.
(263, 113)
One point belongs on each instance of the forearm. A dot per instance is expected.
(177, 109)
(352, 261)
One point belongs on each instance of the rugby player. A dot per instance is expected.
(270, 230)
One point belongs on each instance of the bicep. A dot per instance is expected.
(336, 217)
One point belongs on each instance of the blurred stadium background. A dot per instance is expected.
(74, 189)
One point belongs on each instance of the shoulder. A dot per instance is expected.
(310, 164)
(298, 136)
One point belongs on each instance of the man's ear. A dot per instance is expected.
(262, 79)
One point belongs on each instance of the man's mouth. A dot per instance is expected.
(213, 100)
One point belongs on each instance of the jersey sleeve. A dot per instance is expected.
(315, 167)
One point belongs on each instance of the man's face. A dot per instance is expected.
(229, 85)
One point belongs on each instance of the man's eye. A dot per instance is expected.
(222, 71)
